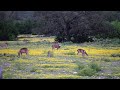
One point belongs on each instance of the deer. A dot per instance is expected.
(4, 45)
(22, 50)
(82, 51)
(55, 45)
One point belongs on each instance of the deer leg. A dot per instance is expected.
(86, 53)
(27, 53)
(52, 48)
(83, 54)
(20, 54)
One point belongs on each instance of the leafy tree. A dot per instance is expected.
(8, 31)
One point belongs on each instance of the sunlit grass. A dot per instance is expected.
(40, 39)
(61, 66)
(9, 51)
(24, 61)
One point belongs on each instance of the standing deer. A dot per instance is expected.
(82, 51)
(55, 45)
(22, 50)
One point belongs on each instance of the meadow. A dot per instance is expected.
(103, 61)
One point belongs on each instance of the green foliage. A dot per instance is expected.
(25, 27)
(8, 30)
(80, 66)
(116, 25)
(94, 66)
(88, 70)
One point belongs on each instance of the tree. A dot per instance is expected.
(7, 26)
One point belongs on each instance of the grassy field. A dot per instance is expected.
(103, 61)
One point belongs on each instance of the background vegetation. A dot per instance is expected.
(74, 26)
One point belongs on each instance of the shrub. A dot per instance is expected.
(80, 66)
(87, 71)
(94, 66)
(8, 30)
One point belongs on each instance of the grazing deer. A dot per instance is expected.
(82, 51)
(56, 45)
(4, 45)
(22, 50)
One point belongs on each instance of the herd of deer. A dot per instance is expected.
(25, 50)
(54, 45)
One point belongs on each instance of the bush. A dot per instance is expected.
(8, 30)
(86, 72)
(80, 65)
(94, 66)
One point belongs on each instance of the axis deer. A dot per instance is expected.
(22, 50)
(56, 45)
(82, 51)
